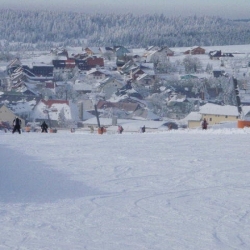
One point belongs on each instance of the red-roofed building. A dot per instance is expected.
(52, 111)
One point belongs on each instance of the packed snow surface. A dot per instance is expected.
(184, 189)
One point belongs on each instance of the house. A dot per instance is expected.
(135, 73)
(109, 86)
(166, 51)
(123, 55)
(107, 52)
(7, 115)
(195, 51)
(59, 51)
(160, 55)
(89, 63)
(59, 63)
(120, 105)
(127, 67)
(121, 51)
(82, 87)
(26, 91)
(17, 74)
(16, 63)
(215, 114)
(178, 105)
(218, 73)
(193, 120)
(51, 85)
(70, 63)
(92, 51)
(127, 92)
(215, 54)
(95, 74)
(39, 70)
(93, 62)
(144, 68)
(152, 48)
(145, 80)
(227, 55)
(52, 111)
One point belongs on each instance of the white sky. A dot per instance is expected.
(164, 190)
(225, 8)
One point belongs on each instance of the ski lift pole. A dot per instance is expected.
(97, 116)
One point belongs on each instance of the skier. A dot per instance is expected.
(120, 129)
(44, 127)
(204, 124)
(17, 125)
(143, 129)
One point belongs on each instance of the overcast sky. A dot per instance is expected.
(224, 8)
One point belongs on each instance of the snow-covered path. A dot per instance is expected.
(154, 191)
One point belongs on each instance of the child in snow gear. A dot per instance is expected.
(44, 127)
(16, 125)
(204, 124)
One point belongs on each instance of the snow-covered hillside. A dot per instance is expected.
(179, 189)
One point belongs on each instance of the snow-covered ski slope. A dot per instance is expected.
(173, 190)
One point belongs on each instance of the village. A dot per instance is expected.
(158, 87)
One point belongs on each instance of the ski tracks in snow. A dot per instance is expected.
(136, 191)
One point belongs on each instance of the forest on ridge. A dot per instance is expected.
(43, 28)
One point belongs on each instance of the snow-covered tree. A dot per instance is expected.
(62, 122)
(192, 64)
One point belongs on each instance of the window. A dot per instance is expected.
(226, 116)
(210, 119)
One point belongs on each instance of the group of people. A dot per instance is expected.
(17, 122)
(17, 126)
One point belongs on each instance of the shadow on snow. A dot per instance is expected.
(23, 179)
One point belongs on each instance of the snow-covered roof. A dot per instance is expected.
(95, 50)
(214, 109)
(193, 116)
(141, 77)
(82, 86)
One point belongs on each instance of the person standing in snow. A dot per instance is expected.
(143, 129)
(204, 124)
(44, 127)
(17, 125)
(120, 129)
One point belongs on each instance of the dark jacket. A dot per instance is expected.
(17, 122)
(143, 129)
(204, 124)
(44, 125)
